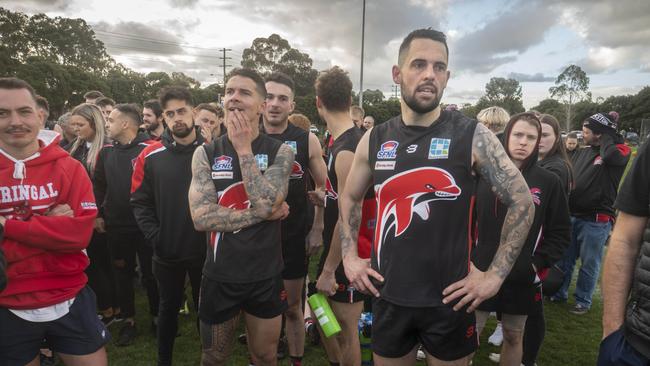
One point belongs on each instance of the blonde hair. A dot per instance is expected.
(93, 115)
(300, 120)
(494, 118)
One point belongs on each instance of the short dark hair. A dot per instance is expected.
(93, 94)
(131, 111)
(253, 75)
(282, 78)
(104, 101)
(426, 33)
(572, 135)
(174, 93)
(334, 89)
(42, 103)
(207, 107)
(155, 107)
(13, 83)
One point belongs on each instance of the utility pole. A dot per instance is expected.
(224, 58)
(363, 31)
(395, 88)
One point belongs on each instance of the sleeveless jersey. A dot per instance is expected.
(294, 227)
(254, 253)
(424, 188)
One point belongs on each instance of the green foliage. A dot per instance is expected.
(552, 107)
(274, 53)
(372, 97)
(571, 86)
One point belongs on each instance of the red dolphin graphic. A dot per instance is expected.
(409, 192)
(234, 197)
(296, 170)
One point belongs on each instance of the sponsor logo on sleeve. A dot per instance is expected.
(88, 205)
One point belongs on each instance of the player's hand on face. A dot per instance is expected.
(358, 272)
(314, 241)
(207, 135)
(240, 132)
(60, 210)
(472, 290)
(327, 283)
(317, 197)
(280, 213)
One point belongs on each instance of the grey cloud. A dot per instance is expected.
(183, 3)
(137, 38)
(502, 39)
(468, 95)
(530, 78)
(36, 6)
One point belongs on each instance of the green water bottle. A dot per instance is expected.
(324, 314)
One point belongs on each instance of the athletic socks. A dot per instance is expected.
(295, 360)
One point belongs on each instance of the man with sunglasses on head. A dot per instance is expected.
(161, 180)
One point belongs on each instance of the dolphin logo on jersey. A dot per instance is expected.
(329, 190)
(233, 197)
(409, 193)
(296, 171)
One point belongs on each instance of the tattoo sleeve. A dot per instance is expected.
(507, 183)
(349, 233)
(206, 213)
(269, 189)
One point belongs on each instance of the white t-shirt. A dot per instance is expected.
(46, 314)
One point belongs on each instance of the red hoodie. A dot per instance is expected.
(45, 255)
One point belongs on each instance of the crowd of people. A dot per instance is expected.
(431, 221)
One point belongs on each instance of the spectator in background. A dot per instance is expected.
(494, 118)
(63, 128)
(552, 155)
(571, 144)
(368, 122)
(92, 96)
(152, 119)
(210, 119)
(106, 105)
(43, 108)
(598, 170)
(357, 114)
(88, 123)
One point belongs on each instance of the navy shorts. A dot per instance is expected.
(615, 351)
(80, 332)
(445, 334)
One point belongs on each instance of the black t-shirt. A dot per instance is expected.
(253, 253)
(634, 195)
(424, 187)
(294, 227)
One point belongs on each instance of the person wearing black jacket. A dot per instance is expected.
(548, 237)
(552, 153)
(598, 170)
(159, 188)
(112, 190)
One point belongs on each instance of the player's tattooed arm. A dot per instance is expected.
(350, 232)
(493, 165)
(206, 213)
(267, 191)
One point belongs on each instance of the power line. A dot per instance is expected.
(139, 38)
(158, 51)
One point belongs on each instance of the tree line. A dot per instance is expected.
(62, 58)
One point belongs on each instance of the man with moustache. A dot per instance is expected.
(297, 241)
(239, 184)
(152, 119)
(161, 180)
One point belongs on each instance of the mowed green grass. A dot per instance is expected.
(571, 340)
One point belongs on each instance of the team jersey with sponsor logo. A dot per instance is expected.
(254, 253)
(294, 227)
(424, 188)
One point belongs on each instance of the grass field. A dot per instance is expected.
(571, 340)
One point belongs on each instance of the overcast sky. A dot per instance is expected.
(532, 41)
